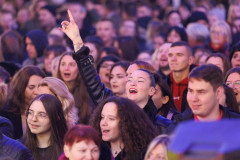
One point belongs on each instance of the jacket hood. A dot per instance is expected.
(39, 40)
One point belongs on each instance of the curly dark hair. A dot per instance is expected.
(136, 129)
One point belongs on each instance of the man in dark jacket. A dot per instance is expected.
(204, 91)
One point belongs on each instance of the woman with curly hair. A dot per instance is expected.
(123, 125)
(56, 87)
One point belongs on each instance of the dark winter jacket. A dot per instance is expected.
(188, 115)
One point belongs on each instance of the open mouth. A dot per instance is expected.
(132, 90)
(114, 86)
(67, 75)
(105, 131)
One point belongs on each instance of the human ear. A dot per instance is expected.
(165, 99)
(152, 91)
(219, 92)
(66, 150)
(191, 60)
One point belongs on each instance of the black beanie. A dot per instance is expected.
(51, 9)
(197, 15)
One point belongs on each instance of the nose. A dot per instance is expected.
(89, 155)
(133, 83)
(103, 122)
(35, 91)
(34, 117)
(173, 58)
(194, 97)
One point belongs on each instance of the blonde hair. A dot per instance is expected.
(3, 94)
(226, 30)
(161, 139)
(60, 90)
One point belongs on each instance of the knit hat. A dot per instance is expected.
(196, 16)
(51, 9)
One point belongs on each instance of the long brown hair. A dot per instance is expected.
(80, 94)
(16, 98)
(53, 108)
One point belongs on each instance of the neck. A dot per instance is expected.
(179, 76)
(142, 104)
(166, 71)
(108, 43)
(44, 139)
(116, 147)
(124, 94)
(70, 86)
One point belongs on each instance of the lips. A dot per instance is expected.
(66, 75)
(105, 131)
(114, 86)
(132, 91)
(195, 107)
(33, 126)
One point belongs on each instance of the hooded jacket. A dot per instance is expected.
(40, 41)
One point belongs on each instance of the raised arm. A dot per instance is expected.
(71, 29)
(92, 81)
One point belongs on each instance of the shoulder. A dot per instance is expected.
(14, 149)
(229, 114)
(6, 127)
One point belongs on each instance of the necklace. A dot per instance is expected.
(116, 152)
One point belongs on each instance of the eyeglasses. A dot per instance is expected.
(40, 116)
(236, 83)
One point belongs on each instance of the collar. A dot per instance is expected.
(219, 118)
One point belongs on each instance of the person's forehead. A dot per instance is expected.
(108, 62)
(178, 49)
(140, 73)
(198, 84)
(106, 24)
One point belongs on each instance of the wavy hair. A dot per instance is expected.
(136, 129)
(60, 90)
(16, 99)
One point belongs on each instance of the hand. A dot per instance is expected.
(71, 29)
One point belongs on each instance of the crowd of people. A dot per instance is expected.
(112, 79)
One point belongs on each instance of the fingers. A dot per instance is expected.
(65, 23)
(70, 16)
